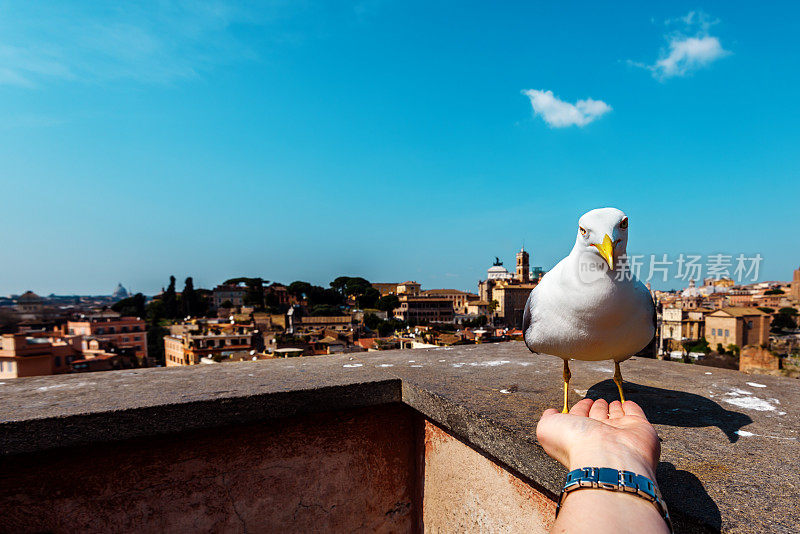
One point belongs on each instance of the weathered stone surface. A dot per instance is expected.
(464, 491)
(327, 472)
(724, 433)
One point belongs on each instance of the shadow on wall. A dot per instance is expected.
(675, 408)
(678, 486)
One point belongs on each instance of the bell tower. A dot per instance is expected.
(523, 267)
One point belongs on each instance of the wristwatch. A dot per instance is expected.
(614, 480)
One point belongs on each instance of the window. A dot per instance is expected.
(727, 332)
(124, 329)
(713, 331)
(749, 324)
(100, 330)
(58, 361)
(1, 367)
(137, 338)
(112, 330)
(125, 339)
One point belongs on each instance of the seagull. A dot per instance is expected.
(590, 306)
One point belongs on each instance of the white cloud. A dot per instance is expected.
(560, 114)
(688, 49)
(689, 54)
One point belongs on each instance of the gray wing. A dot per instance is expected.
(527, 320)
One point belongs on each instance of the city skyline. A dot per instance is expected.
(384, 140)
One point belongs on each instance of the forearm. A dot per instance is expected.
(599, 511)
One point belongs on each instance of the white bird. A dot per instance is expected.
(590, 306)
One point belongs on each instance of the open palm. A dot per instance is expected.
(598, 434)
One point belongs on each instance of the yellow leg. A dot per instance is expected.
(618, 381)
(567, 376)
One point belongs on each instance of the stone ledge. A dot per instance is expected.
(723, 432)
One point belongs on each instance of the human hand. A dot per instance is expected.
(598, 434)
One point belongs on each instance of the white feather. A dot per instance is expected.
(584, 311)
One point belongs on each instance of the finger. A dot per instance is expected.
(549, 411)
(631, 408)
(582, 408)
(599, 410)
(615, 410)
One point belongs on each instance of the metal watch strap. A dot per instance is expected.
(614, 480)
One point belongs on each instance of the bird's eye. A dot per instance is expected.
(582, 229)
(624, 224)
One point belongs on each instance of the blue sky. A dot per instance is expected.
(392, 140)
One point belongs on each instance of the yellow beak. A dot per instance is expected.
(606, 249)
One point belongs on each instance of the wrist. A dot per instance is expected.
(620, 460)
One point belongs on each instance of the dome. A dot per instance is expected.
(691, 291)
(29, 296)
(120, 292)
(498, 272)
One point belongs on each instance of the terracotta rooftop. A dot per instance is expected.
(737, 311)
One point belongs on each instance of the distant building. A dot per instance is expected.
(310, 324)
(795, 287)
(29, 306)
(418, 309)
(228, 293)
(211, 341)
(511, 299)
(459, 298)
(32, 355)
(507, 293)
(681, 324)
(385, 288)
(479, 307)
(737, 326)
(409, 288)
(523, 274)
(120, 293)
(719, 282)
(740, 298)
(122, 332)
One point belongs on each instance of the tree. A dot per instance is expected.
(700, 345)
(155, 315)
(340, 283)
(325, 310)
(388, 303)
(355, 287)
(477, 322)
(299, 288)
(170, 300)
(783, 321)
(371, 321)
(189, 299)
(369, 298)
(131, 306)
(254, 294)
(386, 328)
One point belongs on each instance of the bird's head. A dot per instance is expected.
(604, 232)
